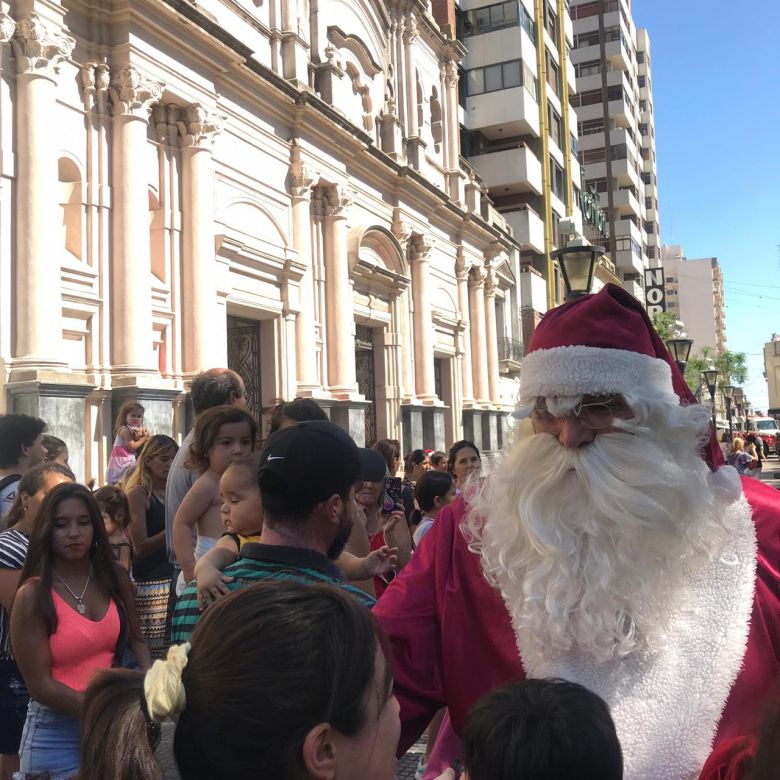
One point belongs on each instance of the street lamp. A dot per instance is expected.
(681, 351)
(711, 379)
(728, 392)
(577, 261)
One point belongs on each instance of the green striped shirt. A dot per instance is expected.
(259, 562)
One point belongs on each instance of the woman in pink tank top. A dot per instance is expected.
(73, 610)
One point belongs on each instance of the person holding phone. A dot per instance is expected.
(385, 522)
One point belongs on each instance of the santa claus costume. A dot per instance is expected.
(638, 565)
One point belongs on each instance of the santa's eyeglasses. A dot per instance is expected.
(594, 413)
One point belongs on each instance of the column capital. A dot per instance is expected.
(198, 126)
(94, 78)
(420, 247)
(336, 200)
(491, 282)
(477, 277)
(38, 49)
(399, 228)
(462, 266)
(411, 31)
(165, 117)
(450, 72)
(7, 27)
(133, 93)
(300, 180)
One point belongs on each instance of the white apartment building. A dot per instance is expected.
(772, 373)
(614, 109)
(273, 186)
(519, 131)
(694, 294)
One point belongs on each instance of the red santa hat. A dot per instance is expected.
(600, 344)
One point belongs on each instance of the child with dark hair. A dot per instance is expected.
(222, 435)
(540, 729)
(56, 449)
(116, 517)
(434, 491)
(298, 410)
(130, 437)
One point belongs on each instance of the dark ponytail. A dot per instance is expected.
(432, 485)
(118, 738)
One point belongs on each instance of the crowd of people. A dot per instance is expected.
(605, 603)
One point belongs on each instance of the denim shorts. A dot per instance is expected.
(50, 742)
(13, 707)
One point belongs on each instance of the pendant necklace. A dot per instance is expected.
(80, 608)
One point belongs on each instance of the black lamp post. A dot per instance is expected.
(728, 392)
(711, 379)
(577, 263)
(681, 351)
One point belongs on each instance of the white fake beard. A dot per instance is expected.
(588, 546)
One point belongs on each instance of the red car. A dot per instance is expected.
(767, 428)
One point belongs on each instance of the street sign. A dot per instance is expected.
(655, 291)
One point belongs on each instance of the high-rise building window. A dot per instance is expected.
(553, 73)
(589, 98)
(590, 68)
(591, 126)
(557, 179)
(497, 17)
(551, 21)
(502, 75)
(592, 155)
(640, 57)
(556, 126)
(642, 81)
(643, 105)
(574, 145)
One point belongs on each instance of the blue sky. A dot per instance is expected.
(716, 86)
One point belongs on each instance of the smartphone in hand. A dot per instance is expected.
(392, 495)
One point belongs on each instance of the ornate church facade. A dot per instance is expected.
(270, 185)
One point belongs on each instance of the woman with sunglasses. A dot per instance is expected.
(72, 615)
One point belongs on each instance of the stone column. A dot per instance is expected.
(478, 353)
(452, 157)
(132, 96)
(38, 52)
(410, 37)
(462, 277)
(491, 335)
(415, 145)
(424, 381)
(197, 130)
(341, 340)
(300, 183)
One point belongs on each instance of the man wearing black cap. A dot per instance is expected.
(307, 477)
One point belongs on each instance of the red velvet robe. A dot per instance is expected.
(453, 640)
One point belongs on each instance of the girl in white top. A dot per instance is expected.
(434, 490)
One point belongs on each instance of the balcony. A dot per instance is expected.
(624, 172)
(527, 228)
(510, 355)
(503, 113)
(626, 202)
(509, 170)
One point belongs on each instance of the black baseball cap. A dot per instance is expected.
(310, 461)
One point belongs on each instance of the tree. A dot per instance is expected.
(664, 323)
(731, 366)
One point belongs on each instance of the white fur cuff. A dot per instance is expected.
(572, 371)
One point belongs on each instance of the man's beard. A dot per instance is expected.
(342, 537)
(589, 547)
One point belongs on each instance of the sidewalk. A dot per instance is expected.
(771, 472)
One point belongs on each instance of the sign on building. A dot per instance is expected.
(655, 291)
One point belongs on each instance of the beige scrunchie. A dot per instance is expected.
(163, 688)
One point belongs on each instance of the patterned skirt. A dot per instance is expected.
(153, 605)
